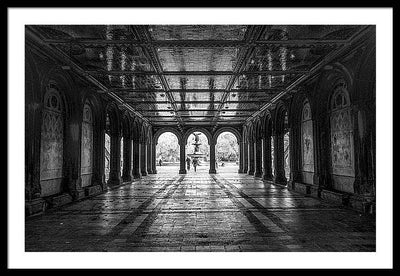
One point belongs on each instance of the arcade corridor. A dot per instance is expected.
(201, 212)
(297, 100)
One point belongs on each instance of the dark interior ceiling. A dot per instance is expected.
(190, 75)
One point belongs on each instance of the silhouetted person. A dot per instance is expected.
(188, 163)
(195, 163)
(160, 162)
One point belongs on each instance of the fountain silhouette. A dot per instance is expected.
(196, 154)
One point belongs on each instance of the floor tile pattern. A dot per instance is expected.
(200, 212)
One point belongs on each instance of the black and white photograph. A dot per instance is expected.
(195, 137)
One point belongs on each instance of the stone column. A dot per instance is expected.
(251, 158)
(115, 160)
(127, 162)
(245, 157)
(258, 156)
(136, 160)
(182, 169)
(143, 158)
(153, 157)
(267, 170)
(295, 155)
(149, 157)
(279, 160)
(240, 157)
(212, 157)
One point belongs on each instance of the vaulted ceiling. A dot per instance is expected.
(196, 75)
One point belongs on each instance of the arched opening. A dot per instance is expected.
(52, 143)
(307, 144)
(342, 141)
(167, 153)
(286, 146)
(87, 146)
(197, 153)
(122, 155)
(272, 156)
(266, 149)
(107, 148)
(227, 152)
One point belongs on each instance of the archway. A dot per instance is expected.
(167, 152)
(87, 146)
(286, 146)
(107, 148)
(52, 142)
(197, 152)
(227, 152)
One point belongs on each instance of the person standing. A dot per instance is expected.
(188, 163)
(195, 163)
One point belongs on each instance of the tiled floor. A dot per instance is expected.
(200, 212)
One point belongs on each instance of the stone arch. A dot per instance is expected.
(137, 127)
(167, 129)
(339, 92)
(258, 129)
(52, 141)
(250, 133)
(95, 105)
(307, 138)
(341, 132)
(113, 114)
(267, 124)
(126, 130)
(197, 129)
(56, 77)
(87, 145)
(245, 134)
(149, 135)
(279, 121)
(143, 133)
(332, 76)
(234, 131)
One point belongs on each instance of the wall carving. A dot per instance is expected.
(272, 156)
(307, 139)
(342, 147)
(52, 139)
(87, 146)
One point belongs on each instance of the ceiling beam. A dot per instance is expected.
(203, 73)
(197, 110)
(197, 116)
(31, 32)
(194, 102)
(151, 54)
(252, 34)
(131, 90)
(327, 59)
(196, 43)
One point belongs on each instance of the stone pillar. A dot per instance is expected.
(267, 170)
(251, 158)
(279, 160)
(153, 157)
(149, 157)
(136, 160)
(212, 157)
(245, 157)
(240, 157)
(127, 162)
(258, 160)
(115, 160)
(143, 158)
(295, 155)
(182, 158)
